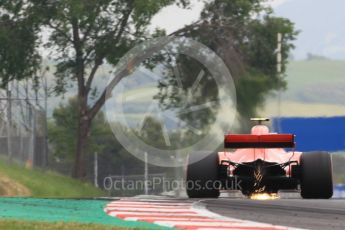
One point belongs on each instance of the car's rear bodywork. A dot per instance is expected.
(261, 162)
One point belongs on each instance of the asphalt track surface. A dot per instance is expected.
(298, 213)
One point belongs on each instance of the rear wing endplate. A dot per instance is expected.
(235, 141)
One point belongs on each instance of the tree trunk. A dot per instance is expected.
(82, 142)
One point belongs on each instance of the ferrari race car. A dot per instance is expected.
(259, 163)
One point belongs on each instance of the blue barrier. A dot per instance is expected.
(314, 133)
(339, 191)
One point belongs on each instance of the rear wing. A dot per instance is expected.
(236, 141)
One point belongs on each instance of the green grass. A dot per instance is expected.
(140, 94)
(82, 211)
(36, 225)
(316, 81)
(301, 73)
(301, 109)
(47, 183)
(314, 88)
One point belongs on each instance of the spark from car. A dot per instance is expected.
(264, 196)
(259, 193)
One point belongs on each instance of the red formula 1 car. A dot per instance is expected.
(259, 163)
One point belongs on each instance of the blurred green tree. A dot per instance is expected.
(19, 58)
(244, 34)
(63, 129)
(84, 35)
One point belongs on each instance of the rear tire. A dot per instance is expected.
(316, 175)
(202, 176)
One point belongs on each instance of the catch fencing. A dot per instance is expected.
(23, 123)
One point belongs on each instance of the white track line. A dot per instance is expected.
(150, 219)
(153, 214)
(150, 209)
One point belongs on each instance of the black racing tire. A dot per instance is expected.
(202, 176)
(316, 175)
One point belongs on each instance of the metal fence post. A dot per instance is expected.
(9, 122)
